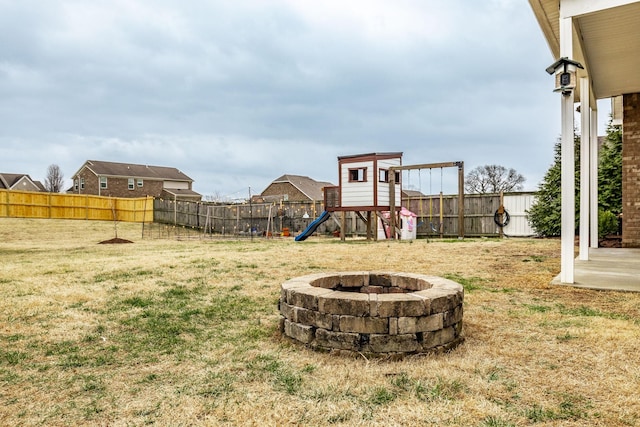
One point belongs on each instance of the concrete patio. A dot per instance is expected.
(609, 269)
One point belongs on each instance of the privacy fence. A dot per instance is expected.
(436, 215)
(29, 204)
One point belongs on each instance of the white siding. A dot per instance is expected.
(383, 187)
(357, 193)
(176, 185)
(517, 205)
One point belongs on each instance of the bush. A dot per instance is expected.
(607, 223)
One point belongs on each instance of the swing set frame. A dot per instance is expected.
(394, 220)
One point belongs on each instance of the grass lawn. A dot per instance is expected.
(172, 332)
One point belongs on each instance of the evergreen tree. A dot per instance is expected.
(610, 171)
(546, 212)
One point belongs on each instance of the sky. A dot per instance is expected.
(236, 93)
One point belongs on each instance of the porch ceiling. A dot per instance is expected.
(606, 42)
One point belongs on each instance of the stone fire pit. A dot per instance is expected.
(373, 313)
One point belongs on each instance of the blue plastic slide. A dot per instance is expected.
(313, 226)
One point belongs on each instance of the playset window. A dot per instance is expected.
(383, 176)
(358, 175)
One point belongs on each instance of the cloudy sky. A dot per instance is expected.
(238, 92)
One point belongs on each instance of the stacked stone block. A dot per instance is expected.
(374, 313)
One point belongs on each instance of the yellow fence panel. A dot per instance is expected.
(29, 204)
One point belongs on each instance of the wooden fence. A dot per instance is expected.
(439, 214)
(436, 215)
(239, 219)
(29, 204)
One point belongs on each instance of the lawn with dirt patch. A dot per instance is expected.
(173, 332)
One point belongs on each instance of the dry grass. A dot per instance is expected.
(185, 333)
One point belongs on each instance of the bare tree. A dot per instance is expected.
(216, 196)
(53, 182)
(492, 179)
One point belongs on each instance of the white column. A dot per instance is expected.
(568, 209)
(585, 170)
(593, 154)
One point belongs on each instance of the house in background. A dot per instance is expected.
(294, 188)
(19, 182)
(132, 180)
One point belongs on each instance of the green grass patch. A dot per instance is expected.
(468, 283)
(536, 308)
(282, 376)
(233, 307)
(493, 421)
(12, 358)
(585, 311)
(566, 337)
(438, 389)
(138, 302)
(181, 318)
(218, 385)
(443, 389)
(241, 265)
(381, 396)
(14, 338)
(570, 408)
(205, 263)
(535, 258)
(121, 275)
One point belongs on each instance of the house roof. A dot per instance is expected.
(8, 180)
(605, 41)
(309, 187)
(413, 193)
(182, 193)
(387, 155)
(100, 168)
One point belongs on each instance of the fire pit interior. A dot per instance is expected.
(374, 313)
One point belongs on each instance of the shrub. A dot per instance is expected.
(607, 223)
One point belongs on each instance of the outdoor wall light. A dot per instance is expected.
(565, 71)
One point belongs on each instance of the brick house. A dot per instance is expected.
(132, 180)
(294, 188)
(20, 182)
(596, 48)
